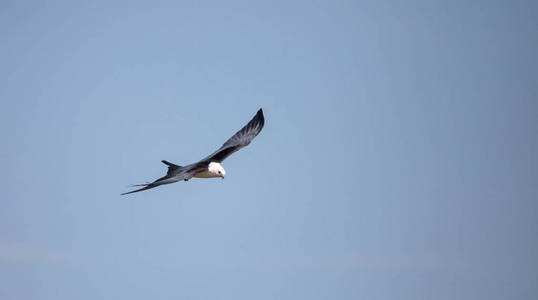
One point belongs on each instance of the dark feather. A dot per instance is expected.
(240, 139)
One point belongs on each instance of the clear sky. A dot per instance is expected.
(398, 159)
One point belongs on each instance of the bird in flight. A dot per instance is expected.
(210, 166)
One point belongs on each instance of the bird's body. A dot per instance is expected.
(214, 169)
(210, 166)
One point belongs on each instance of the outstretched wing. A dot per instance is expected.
(175, 173)
(156, 183)
(240, 139)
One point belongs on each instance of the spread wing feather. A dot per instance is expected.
(175, 173)
(240, 139)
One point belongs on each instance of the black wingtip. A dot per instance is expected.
(258, 121)
(169, 163)
(259, 116)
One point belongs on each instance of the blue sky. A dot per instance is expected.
(398, 160)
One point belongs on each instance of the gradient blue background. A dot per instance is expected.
(398, 160)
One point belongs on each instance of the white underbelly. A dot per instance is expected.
(206, 174)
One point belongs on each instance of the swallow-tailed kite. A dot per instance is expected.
(210, 166)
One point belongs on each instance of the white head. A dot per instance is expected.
(216, 169)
